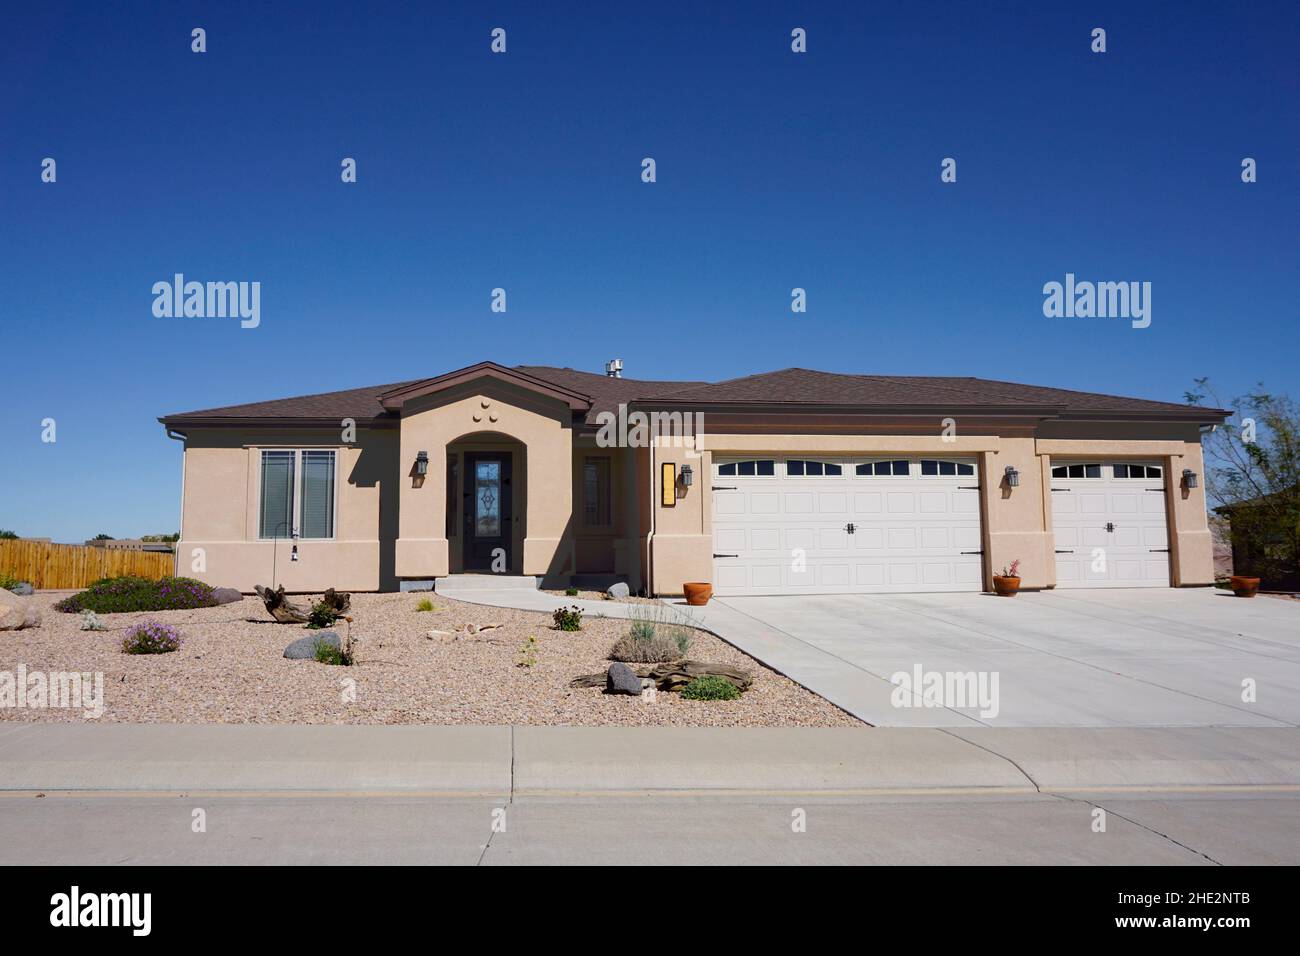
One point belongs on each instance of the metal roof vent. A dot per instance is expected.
(614, 368)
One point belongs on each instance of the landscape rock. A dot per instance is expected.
(22, 589)
(304, 649)
(621, 679)
(617, 590)
(226, 595)
(17, 612)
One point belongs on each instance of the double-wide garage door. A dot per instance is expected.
(840, 525)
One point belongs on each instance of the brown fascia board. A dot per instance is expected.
(181, 422)
(1203, 416)
(394, 400)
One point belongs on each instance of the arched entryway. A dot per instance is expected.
(486, 505)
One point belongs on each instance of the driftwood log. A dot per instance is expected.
(280, 607)
(340, 601)
(676, 675)
(288, 612)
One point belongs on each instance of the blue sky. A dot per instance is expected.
(522, 171)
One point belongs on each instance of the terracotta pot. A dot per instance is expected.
(697, 594)
(1006, 587)
(1243, 587)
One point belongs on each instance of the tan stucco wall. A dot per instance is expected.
(219, 533)
(492, 409)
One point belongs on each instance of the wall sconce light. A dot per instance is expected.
(1012, 476)
(688, 476)
(293, 555)
(422, 464)
(1189, 478)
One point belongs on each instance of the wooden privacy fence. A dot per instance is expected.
(48, 565)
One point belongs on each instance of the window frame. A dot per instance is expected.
(785, 467)
(1145, 466)
(608, 491)
(879, 461)
(296, 479)
(718, 465)
(956, 463)
(1095, 463)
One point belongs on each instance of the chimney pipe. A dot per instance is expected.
(614, 368)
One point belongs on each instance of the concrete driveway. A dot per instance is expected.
(1079, 658)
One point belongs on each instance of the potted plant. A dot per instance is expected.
(1007, 583)
(1243, 586)
(697, 593)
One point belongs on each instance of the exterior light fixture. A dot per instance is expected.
(293, 555)
(422, 464)
(1189, 478)
(1012, 476)
(688, 476)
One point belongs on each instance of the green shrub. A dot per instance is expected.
(568, 618)
(571, 592)
(8, 581)
(710, 688)
(424, 605)
(321, 616)
(118, 595)
(151, 637)
(327, 653)
(657, 649)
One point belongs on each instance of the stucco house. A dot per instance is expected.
(788, 482)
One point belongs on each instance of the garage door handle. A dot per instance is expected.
(972, 552)
(716, 555)
(1159, 550)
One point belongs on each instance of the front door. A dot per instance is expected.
(487, 499)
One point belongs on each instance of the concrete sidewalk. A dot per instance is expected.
(501, 761)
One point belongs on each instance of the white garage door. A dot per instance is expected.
(1110, 525)
(845, 525)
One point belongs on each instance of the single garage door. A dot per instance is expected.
(787, 525)
(1110, 523)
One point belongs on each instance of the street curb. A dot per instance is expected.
(537, 760)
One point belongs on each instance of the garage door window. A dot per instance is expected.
(930, 466)
(749, 468)
(807, 468)
(883, 469)
(1138, 471)
(1076, 471)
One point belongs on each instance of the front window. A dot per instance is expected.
(297, 494)
(595, 485)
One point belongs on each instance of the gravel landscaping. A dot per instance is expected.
(232, 670)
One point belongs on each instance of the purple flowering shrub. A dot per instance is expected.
(151, 637)
(116, 595)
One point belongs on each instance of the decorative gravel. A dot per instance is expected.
(231, 670)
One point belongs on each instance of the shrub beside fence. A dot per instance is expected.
(48, 565)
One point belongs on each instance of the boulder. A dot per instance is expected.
(304, 649)
(621, 679)
(226, 595)
(22, 589)
(619, 589)
(17, 612)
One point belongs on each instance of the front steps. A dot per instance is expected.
(486, 582)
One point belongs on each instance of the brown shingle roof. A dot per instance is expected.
(794, 386)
